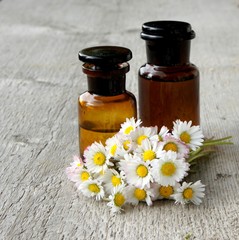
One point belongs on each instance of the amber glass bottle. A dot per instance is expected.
(168, 82)
(106, 104)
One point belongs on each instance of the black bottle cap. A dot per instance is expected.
(105, 55)
(169, 30)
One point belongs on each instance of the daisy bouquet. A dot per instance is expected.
(143, 164)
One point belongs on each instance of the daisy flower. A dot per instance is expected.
(92, 188)
(117, 198)
(142, 133)
(169, 169)
(163, 192)
(137, 172)
(189, 192)
(160, 136)
(129, 125)
(96, 158)
(171, 143)
(111, 179)
(112, 146)
(190, 135)
(126, 145)
(149, 151)
(135, 195)
(80, 176)
(76, 165)
(77, 162)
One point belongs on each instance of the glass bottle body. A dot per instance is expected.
(168, 83)
(168, 93)
(106, 104)
(100, 116)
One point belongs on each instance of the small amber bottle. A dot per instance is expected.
(168, 82)
(106, 104)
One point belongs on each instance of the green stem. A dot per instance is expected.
(202, 154)
(207, 149)
(216, 143)
(219, 141)
(193, 153)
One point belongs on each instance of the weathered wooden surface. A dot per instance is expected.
(40, 79)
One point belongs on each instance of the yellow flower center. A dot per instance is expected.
(166, 192)
(113, 150)
(188, 193)
(171, 146)
(78, 164)
(140, 194)
(119, 199)
(140, 139)
(185, 137)
(115, 181)
(128, 130)
(94, 188)
(84, 176)
(168, 169)
(99, 158)
(126, 145)
(149, 155)
(142, 171)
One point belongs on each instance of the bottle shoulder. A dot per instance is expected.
(168, 73)
(96, 99)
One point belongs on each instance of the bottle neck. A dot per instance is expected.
(105, 81)
(106, 86)
(168, 53)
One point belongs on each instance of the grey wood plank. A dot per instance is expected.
(40, 79)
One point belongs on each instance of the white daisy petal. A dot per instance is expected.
(74, 169)
(135, 195)
(190, 135)
(149, 150)
(169, 169)
(111, 179)
(126, 145)
(137, 172)
(81, 176)
(163, 192)
(117, 199)
(96, 158)
(190, 192)
(143, 133)
(92, 188)
(129, 125)
(77, 162)
(160, 136)
(112, 146)
(171, 143)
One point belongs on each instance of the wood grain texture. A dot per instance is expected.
(40, 79)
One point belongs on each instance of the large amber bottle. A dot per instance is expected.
(168, 82)
(106, 104)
